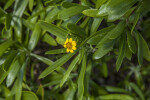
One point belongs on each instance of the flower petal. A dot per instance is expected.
(70, 40)
(74, 48)
(67, 40)
(68, 50)
(65, 45)
(74, 43)
(71, 51)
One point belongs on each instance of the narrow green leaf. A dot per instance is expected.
(31, 2)
(20, 80)
(77, 30)
(8, 4)
(115, 9)
(117, 31)
(91, 12)
(105, 70)
(135, 21)
(56, 65)
(53, 29)
(48, 39)
(72, 65)
(99, 35)
(40, 92)
(69, 12)
(57, 51)
(44, 60)
(95, 25)
(4, 46)
(115, 97)
(28, 95)
(80, 80)
(146, 51)
(13, 73)
(131, 43)
(34, 37)
(122, 49)
(115, 89)
(137, 90)
(140, 48)
(100, 2)
(8, 21)
(19, 7)
(103, 50)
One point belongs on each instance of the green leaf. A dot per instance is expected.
(137, 90)
(40, 92)
(103, 49)
(95, 25)
(80, 80)
(91, 12)
(53, 29)
(56, 65)
(34, 37)
(114, 97)
(146, 51)
(31, 2)
(13, 73)
(2, 12)
(135, 21)
(69, 12)
(100, 2)
(131, 43)
(99, 35)
(57, 51)
(8, 4)
(4, 46)
(8, 21)
(117, 31)
(19, 7)
(122, 49)
(72, 65)
(115, 89)
(44, 60)
(115, 9)
(77, 30)
(20, 80)
(105, 70)
(48, 39)
(28, 95)
(140, 48)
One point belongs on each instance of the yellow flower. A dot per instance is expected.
(70, 45)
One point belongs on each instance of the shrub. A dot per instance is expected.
(74, 49)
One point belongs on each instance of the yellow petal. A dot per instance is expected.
(74, 48)
(74, 43)
(65, 45)
(67, 40)
(68, 50)
(71, 51)
(70, 40)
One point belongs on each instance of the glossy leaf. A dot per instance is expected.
(56, 65)
(80, 80)
(122, 49)
(115, 97)
(4, 46)
(72, 65)
(69, 12)
(131, 43)
(27, 95)
(57, 51)
(48, 39)
(53, 29)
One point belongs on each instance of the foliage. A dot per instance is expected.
(110, 60)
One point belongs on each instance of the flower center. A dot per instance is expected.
(69, 45)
